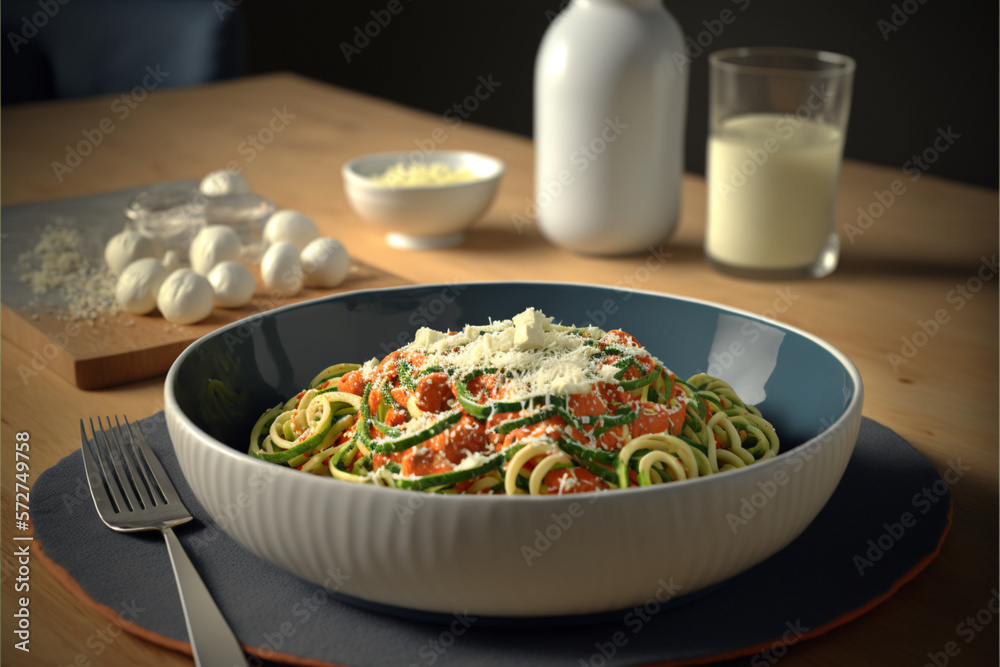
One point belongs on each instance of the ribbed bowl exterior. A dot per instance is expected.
(461, 554)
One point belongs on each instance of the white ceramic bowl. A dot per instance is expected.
(517, 556)
(427, 216)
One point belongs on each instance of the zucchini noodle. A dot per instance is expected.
(517, 407)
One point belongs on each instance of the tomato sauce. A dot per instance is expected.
(435, 392)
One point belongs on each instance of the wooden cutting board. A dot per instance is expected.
(122, 348)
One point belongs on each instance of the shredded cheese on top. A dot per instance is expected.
(539, 357)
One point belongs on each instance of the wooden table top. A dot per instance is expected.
(931, 253)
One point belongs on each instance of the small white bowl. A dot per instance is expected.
(426, 216)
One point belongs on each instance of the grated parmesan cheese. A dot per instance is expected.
(55, 266)
(544, 358)
(566, 483)
(423, 421)
(401, 175)
(476, 459)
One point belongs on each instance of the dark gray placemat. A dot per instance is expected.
(851, 557)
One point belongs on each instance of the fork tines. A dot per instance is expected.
(124, 461)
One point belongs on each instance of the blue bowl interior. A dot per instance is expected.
(228, 378)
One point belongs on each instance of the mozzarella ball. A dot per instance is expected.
(128, 246)
(171, 260)
(139, 284)
(224, 182)
(185, 297)
(233, 284)
(281, 269)
(214, 244)
(325, 262)
(291, 226)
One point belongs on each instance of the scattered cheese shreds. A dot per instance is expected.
(543, 357)
(56, 265)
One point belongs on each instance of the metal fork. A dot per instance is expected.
(133, 492)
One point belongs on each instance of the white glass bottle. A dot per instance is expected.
(609, 113)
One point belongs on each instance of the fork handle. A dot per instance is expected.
(212, 641)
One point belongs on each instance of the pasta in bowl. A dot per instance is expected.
(518, 406)
(409, 539)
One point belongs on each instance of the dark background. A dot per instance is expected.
(939, 69)
(921, 67)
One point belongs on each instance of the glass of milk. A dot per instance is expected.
(777, 121)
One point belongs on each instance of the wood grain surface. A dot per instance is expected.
(914, 304)
(121, 348)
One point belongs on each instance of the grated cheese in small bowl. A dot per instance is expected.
(422, 200)
(402, 175)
